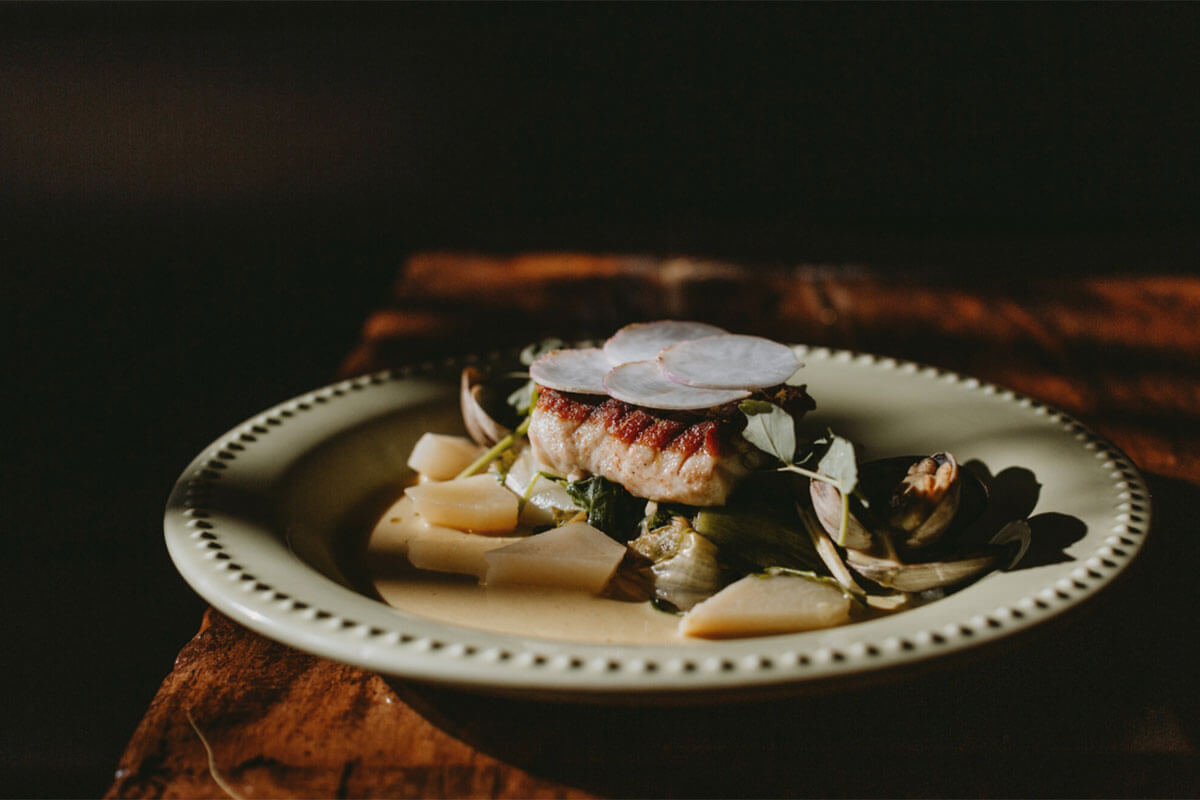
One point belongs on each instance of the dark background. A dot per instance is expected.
(199, 204)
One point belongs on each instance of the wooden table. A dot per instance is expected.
(1103, 703)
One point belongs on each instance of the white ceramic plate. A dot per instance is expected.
(262, 522)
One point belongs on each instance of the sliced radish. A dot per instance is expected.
(641, 383)
(581, 370)
(729, 361)
(642, 341)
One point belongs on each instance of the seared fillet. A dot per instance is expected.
(670, 457)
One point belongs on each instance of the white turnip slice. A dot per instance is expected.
(440, 456)
(580, 370)
(729, 361)
(441, 549)
(477, 504)
(402, 532)
(641, 383)
(760, 605)
(642, 341)
(574, 556)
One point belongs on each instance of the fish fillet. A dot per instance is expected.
(679, 458)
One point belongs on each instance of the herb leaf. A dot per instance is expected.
(609, 506)
(538, 349)
(497, 450)
(770, 429)
(840, 465)
(522, 399)
(757, 539)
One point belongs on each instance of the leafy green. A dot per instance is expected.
(609, 506)
(503, 463)
(524, 396)
(840, 465)
(538, 349)
(758, 540)
(656, 516)
(770, 429)
(497, 450)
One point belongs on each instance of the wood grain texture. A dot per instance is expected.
(1069, 709)
(283, 724)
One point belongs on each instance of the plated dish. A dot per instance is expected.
(265, 526)
(672, 468)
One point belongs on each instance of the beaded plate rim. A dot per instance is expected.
(246, 570)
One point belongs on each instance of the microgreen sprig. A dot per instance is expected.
(481, 463)
(522, 399)
(773, 430)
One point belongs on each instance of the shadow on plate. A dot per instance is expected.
(1012, 495)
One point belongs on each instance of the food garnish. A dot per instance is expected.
(668, 465)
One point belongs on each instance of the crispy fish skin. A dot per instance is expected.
(669, 458)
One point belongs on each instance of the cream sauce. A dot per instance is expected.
(537, 611)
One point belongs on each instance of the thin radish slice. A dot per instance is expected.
(641, 383)
(642, 341)
(580, 371)
(730, 361)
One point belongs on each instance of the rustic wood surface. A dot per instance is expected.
(1101, 703)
